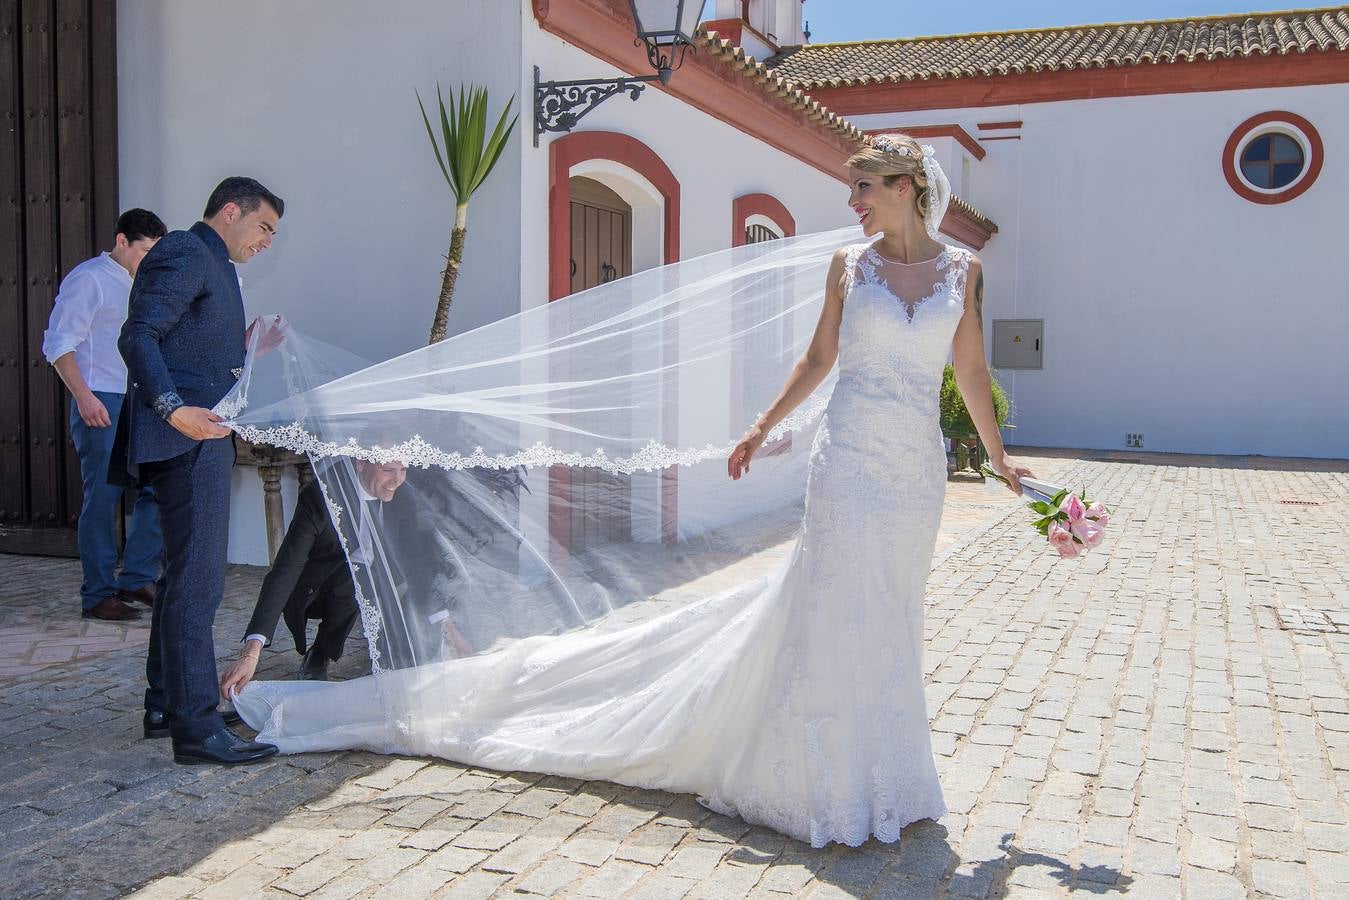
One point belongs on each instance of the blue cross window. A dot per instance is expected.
(1272, 161)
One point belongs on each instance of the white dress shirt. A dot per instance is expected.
(87, 318)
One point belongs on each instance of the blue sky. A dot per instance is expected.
(855, 20)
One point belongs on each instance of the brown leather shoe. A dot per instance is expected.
(144, 594)
(113, 610)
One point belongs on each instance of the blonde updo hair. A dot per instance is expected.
(893, 156)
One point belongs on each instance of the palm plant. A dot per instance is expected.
(468, 157)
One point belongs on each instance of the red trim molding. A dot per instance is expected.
(997, 126)
(604, 29)
(726, 28)
(765, 205)
(969, 231)
(1315, 157)
(580, 146)
(1078, 84)
(963, 137)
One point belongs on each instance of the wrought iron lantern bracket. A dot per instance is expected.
(559, 105)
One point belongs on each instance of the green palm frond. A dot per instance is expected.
(465, 152)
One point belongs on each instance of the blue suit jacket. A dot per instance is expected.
(183, 342)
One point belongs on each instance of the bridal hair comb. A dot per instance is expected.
(886, 144)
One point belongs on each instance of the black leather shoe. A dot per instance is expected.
(314, 666)
(156, 723)
(224, 748)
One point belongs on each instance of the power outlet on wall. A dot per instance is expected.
(1133, 439)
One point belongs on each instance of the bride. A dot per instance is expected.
(795, 700)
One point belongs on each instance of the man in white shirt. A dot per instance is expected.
(81, 344)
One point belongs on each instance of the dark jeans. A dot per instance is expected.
(193, 493)
(97, 535)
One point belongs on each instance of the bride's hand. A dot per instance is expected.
(738, 463)
(1013, 471)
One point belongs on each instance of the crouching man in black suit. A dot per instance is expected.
(310, 578)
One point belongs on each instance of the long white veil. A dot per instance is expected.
(567, 465)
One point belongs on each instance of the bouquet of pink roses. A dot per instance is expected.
(1072, 523)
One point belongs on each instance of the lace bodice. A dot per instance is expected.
(898, 322)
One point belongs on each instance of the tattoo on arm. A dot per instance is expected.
(979, 300)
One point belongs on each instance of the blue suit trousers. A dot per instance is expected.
(193, 493)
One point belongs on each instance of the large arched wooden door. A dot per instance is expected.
(601, 250)
(58, 206)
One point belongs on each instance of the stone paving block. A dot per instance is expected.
(416, 813)
(650, 845)
(344, 888)
(170, 888)
(694, 861)
(420, 881)
(792, 872)
(1280, 879)
(1208, 853)
(535, 803)
(474, 886)
(658, 886)
(456, 859)
(590, 847)
(612, 879)
(550, 878)
(520, 855)
(383, 868)
(905, 887)
(1208, 885)
(315, 873)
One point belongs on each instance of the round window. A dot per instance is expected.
(1272, 161)
(1272, 157)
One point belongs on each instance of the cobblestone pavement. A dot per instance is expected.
(1163, 718)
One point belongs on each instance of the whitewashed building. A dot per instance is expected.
(1169, 196)
(315, 98)
(1162, 296)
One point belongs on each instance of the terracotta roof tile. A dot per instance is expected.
(748, 67)
(1079, 47)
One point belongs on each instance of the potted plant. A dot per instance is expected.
(958, 427)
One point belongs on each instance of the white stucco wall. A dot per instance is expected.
(714, 163)
(315, 99)
(1172, 306)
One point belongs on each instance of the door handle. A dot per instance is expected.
(607, 273)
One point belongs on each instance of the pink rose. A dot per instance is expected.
(1061, 539)
(1097, 511)
(1072, 505)
(1088, 532)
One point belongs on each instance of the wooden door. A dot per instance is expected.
(601, 250)
(58, 201)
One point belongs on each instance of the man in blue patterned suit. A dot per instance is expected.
(183, 342)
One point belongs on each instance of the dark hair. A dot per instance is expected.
(246, 193)
(140, 223)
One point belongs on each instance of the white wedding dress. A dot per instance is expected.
(794, 701)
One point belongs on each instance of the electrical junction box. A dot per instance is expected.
(1018, 343)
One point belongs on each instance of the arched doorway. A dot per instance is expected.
(634, 174)
(600, 505)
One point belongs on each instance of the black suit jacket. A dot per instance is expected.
(309, 556)
(183, 343)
